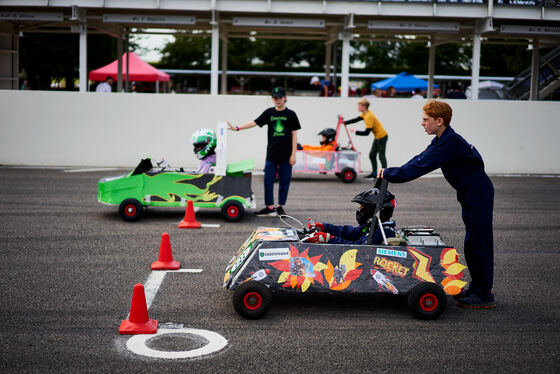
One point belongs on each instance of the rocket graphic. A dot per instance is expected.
(383, 281)
(260, 274)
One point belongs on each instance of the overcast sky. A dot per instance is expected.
(152, 44)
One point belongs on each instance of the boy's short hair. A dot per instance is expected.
(365, 102)
(438, 109)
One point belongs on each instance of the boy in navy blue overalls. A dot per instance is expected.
(463, 168)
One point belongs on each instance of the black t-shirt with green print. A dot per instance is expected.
(280, 127)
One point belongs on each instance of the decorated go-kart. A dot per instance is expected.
(344, 161)
(227, 188)
(417, 264)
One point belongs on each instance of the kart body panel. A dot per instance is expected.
(276, 258)
(172, 187)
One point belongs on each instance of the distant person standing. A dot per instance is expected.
(391, 92)
(106, 86)
(282, 124)
(326, 88)
(379, 145)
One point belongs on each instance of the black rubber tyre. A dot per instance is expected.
(252, 300)
(348, 175)
(233, 211)
(130, 210)
(427, 301)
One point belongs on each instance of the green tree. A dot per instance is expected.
(187, 53)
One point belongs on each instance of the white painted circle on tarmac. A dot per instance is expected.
(137, 344)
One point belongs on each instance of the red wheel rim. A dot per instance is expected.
(232, 211)
(428, 302)
(348, 175)
(253, 300)
(130, 210)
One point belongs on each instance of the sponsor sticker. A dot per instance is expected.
(391, 252)
(270, 254)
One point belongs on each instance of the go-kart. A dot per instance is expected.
(344, 161)
(161, 185)
(417, 263)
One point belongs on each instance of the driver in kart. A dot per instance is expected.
(327, 142)
(204, 143)
(347, 234)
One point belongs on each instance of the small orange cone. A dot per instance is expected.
(138, 321)
(189, 222)
(165, 258)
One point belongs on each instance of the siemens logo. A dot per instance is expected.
(391, 252)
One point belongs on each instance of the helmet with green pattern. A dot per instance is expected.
(204, 142)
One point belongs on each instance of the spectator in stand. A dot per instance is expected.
(106, 86)
(417, 94)
(326, 88)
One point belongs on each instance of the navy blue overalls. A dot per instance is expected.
(463, 168)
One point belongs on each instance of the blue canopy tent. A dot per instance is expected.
(403, 82)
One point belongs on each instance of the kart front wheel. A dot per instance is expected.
(427, 301)
(233, 211)
(252, 300)
(348, 175)
(130, 210)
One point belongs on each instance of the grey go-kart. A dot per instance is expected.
(416, 263)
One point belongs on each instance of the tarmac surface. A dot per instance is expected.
(69, 265)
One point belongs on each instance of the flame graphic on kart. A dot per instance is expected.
(341, 276)
(299, 271)
(452, 283)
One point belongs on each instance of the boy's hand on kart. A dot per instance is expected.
(231, 127)
(319, 237)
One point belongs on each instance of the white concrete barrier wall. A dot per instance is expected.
(71, 129)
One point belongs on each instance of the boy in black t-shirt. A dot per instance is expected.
(282, 124)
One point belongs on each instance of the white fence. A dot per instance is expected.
(71, 129)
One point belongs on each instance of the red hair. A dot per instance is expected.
(438, 109)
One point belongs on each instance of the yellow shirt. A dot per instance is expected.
(373, 123)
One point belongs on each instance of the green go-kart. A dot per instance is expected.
(162, 186)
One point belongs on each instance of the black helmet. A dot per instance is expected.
(368, 201)
(328, 133)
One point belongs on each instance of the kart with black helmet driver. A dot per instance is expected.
(330, 157)
(410, 261)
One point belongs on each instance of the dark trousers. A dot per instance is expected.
(284, 170)
(378, 147)
(479, 239)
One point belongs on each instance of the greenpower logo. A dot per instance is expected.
(278, 127)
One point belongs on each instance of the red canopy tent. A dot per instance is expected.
(139, 71)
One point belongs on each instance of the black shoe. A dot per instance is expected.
(266, 212)
(370, 177)
(280, 211)
(473, 301)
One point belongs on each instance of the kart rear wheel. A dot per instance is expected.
(252, 300)
(233, 211)
(427, 301)
(130, 210)
(348, 175)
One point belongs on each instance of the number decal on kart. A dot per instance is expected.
(421, 265)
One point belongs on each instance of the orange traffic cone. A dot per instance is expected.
(165, 259)
(138, 321)
(189, 222)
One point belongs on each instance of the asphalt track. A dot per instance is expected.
(69, 265)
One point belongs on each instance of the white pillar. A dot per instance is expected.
(328, 58)
(119, 61)
(215, 59)
(83, 55)
(534, 88)
(475, 66)
(224, 65)
(345, 68)
(431, 69)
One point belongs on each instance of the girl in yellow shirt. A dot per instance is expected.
(379, 145)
